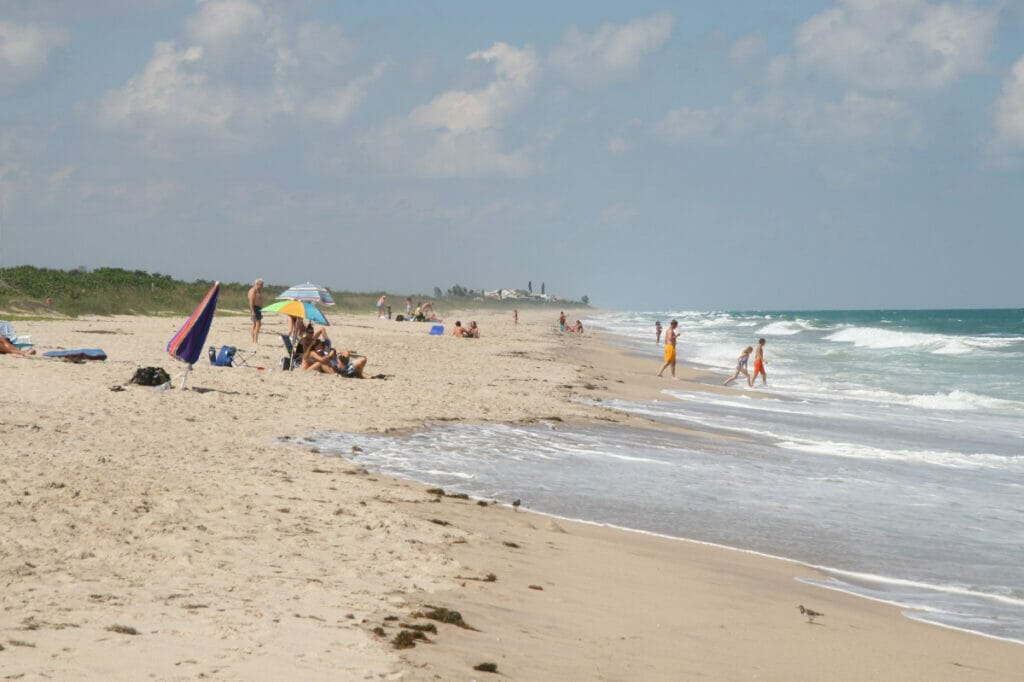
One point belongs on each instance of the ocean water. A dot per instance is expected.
(887, 451)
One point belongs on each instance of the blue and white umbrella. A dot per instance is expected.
(309, 293)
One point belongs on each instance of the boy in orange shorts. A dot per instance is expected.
(759, 364)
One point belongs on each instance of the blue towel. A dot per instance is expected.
(437, 330)
(77, 354)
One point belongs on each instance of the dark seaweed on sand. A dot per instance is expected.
(124, 630)
(406, 639)
(486, 667)
(443, 615)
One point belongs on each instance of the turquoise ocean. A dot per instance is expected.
(887, 451)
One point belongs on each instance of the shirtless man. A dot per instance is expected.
(670, 348)
(255, 312)
(759, 364)
(657, 332)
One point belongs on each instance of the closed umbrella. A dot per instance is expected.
(308, 292)
(303, 309)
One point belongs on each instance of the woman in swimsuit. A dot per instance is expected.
(741, 366)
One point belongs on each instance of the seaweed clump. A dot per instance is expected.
(443, 615)
(124, 630)
(406, 639)
(486, 667)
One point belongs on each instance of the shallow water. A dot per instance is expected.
(907, 491)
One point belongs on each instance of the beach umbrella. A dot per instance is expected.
(303, 309)
(188, 343)
(308, 292)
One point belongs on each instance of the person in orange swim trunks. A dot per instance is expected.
(759, 364)
(671, 335)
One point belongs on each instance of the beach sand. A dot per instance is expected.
(167, 535)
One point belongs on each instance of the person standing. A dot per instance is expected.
(515, 316)
(759, 364)
(256, 309)
(561, 322)
(671, 336)
(657, 332)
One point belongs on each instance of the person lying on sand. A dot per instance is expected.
(10, 349)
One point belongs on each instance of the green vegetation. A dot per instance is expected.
(31, 292)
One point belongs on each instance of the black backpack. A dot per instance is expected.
(150, 376)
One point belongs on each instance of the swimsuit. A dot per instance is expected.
(742, 363)
(257, 314)
(758, 367)
(670, 352)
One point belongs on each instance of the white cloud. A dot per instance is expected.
(1009, 116)
(221, 23)
(25, 50)
(612, 52)
(618, 145)
(747, 49)
(689, 125)
(778, 117)
(897, 45)
(336, 105)
(458, 133)
(462, 111)
(171, 94)
(238, 68)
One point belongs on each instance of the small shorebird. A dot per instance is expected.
(811, 615)
(515, 505)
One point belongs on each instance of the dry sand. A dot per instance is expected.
(176, 516)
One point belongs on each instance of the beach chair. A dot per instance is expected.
(294, 357)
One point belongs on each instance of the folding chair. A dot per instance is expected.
(294, 357)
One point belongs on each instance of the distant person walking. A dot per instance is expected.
(671, 335)
(256, 309)
(381, 302)
(759, 364)
(657, 332)
(515, 316)
(741, 366)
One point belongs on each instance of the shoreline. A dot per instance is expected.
(232, 554)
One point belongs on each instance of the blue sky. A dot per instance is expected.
(835, 154)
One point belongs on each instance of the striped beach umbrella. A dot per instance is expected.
(309, 292)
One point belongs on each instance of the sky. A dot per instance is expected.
(649, 155)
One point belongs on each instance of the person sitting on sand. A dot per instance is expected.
(309, 338)
(6, 347)
(459, 330)
(316, 357)
(741, 366)
(474, 331)
(348, 364)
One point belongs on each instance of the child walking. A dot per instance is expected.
(741, 366)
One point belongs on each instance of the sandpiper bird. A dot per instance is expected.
(811, 615)
(515, 505)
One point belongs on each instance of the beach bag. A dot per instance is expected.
(224, 358)
(150, 376)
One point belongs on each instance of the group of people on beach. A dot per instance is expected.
(564, 326)
(470, 332)
(672, 337)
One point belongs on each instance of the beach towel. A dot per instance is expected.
(437, 330)
(77, 354)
